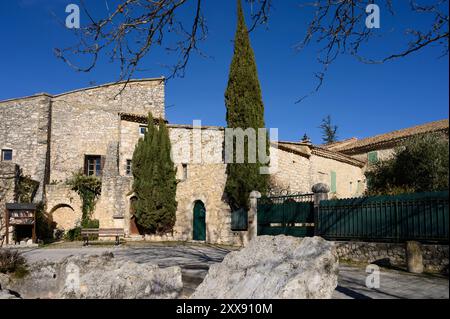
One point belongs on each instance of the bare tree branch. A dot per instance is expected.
(338, 27)
(130, 31)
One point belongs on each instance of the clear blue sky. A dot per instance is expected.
(363, 100)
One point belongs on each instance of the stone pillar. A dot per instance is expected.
(252, 217)
(414, 260)
(320, 191)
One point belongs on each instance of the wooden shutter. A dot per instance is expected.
(372, 157)
(102, 164)
(333, 182)
(85, 165)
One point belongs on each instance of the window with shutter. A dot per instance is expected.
(372, 157)
(93, 165)
(333, 182)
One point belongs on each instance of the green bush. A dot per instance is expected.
(74, 234)
(419, 165)
(91, 223)
(44, 228)
(88, 188)
(26, 188)
(11, 261)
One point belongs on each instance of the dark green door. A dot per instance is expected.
(199, 221)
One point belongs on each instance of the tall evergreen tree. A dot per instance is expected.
(245, 109)
(154, 180)
(329, 131)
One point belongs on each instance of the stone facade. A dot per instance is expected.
(51, 136)
(350, 179)
(24, 129)
(63, 206)
(435, 257)
(9, 173)
(84, 122)
(300, 166)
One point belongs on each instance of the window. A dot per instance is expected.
(6, 155)
(93, 165)
(350, 187)
(128, 167)
(359, 189)
(372, 157)
(185, 172)
(142, 130)
(333, 182)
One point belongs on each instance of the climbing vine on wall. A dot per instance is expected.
(88, 188)
(26, 188)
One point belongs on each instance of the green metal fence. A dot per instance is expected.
(422, 217)
(239, 220)
(286, 215)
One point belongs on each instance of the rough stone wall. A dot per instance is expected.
(63, 206)
(435, 257)
(24, 129)
(383, 154)
(84, 122)
(114, 200)
(293, 174)
(8, 178)
(347, 176)
(205, 181)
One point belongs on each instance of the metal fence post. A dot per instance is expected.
(320, 191)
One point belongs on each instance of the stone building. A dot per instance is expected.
(95, 130)
(380, 147)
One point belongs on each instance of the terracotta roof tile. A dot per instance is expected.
(385, 139)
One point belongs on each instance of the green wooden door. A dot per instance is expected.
(199, 221)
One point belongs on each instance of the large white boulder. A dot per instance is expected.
(102, 277)
(273, 267)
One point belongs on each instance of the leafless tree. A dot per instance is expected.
(339, 28)
(133, 28)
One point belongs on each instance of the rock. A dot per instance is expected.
(29, 242)
(274, 267)
(6, 294)
(103, 277)
(4, 280)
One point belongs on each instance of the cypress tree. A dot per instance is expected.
(154, 182)
(245, 109)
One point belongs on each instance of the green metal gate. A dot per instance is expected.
(291, 215)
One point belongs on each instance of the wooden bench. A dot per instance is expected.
(102, 232)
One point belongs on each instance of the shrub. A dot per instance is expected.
(88, 188)
(11, 261)
(26, 188)
(44, 228)
(74, 234)
(419, 165)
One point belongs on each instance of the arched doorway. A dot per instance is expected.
(199, 224)
(64, 217)
(134, 228)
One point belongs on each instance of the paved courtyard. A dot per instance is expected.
(196, 259)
